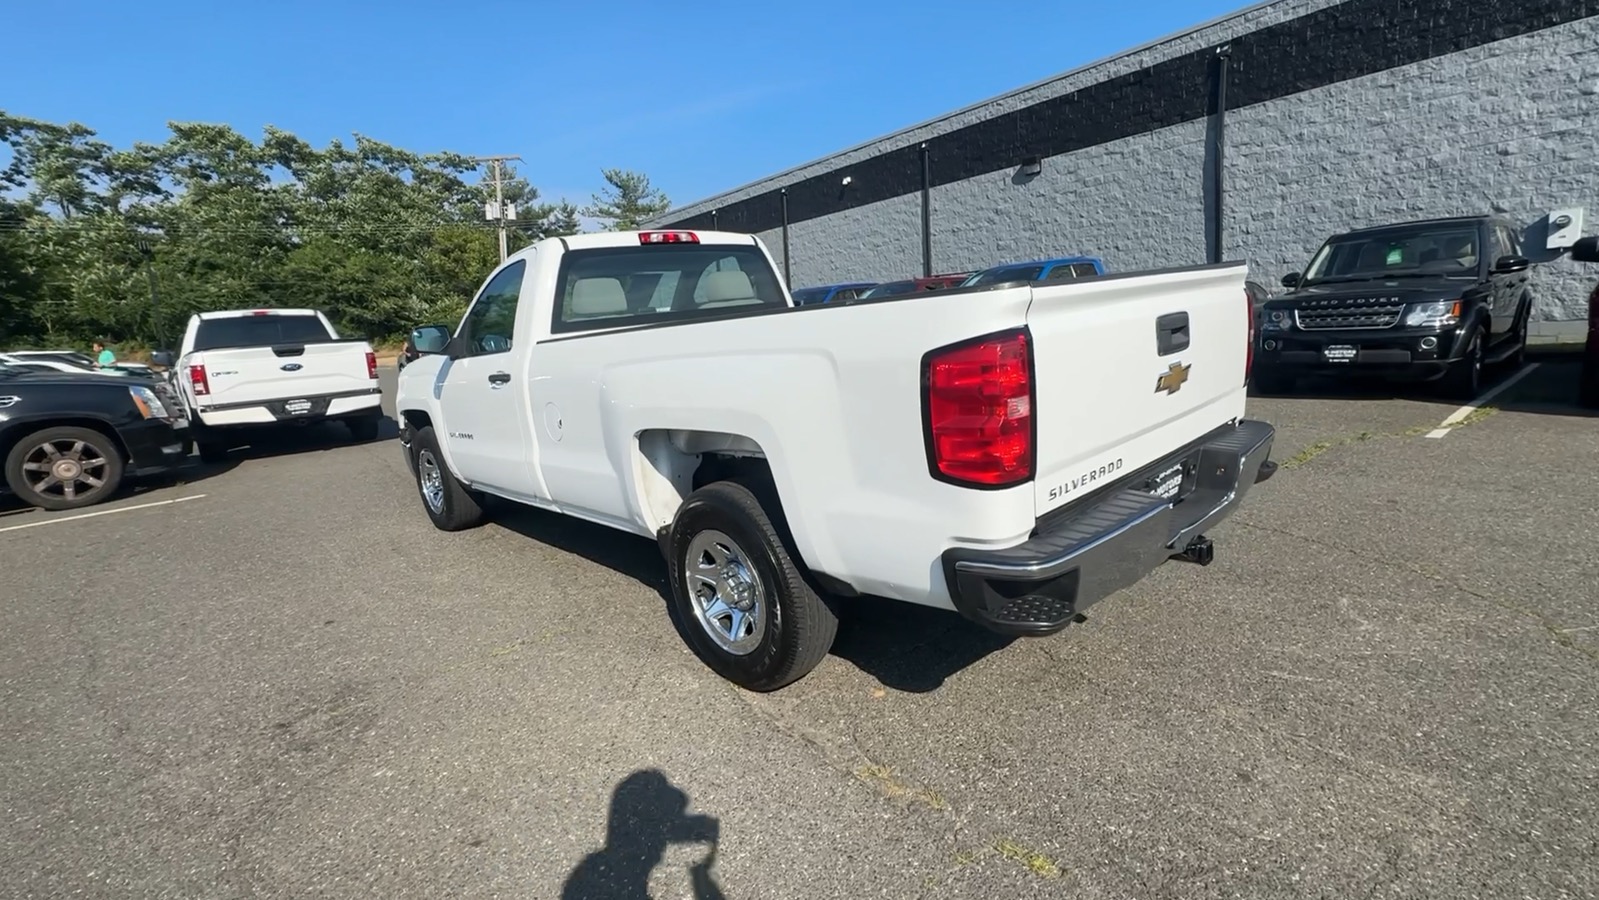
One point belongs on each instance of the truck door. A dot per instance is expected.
(482, 401)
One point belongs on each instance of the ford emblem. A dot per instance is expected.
(291, 367)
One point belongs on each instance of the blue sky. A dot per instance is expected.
(702, 96)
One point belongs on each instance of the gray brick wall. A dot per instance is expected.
(1511, 126)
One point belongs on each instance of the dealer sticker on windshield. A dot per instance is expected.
(1339, 353)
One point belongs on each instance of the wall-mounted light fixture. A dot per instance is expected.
(1031, 166)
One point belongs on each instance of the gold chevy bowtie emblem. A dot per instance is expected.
(1171, 380)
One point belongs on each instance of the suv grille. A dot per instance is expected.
(1320, 315)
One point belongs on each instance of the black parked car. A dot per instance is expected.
(68, 440)
(1437, 299)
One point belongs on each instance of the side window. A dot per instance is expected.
(488, 324)
(1085, 270)
(1062, 273)
(843, 295)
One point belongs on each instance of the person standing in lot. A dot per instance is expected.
(103, 356)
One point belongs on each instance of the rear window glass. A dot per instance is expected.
(612, 286)
(259, 331)
(891, 289)
(1009, 273)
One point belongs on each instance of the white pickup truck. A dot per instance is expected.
(246, 370)
(1015, 451)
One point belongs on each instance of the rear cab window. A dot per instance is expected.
(610, 287)
(260, 331)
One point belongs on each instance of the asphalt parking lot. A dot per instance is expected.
(290, 684)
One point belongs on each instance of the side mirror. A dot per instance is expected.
(1291, 280)
(1586, 250)
(1509, 265)
(430, 338)
(162, 358)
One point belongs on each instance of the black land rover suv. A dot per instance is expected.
(1429, 300)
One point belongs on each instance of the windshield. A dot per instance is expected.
(1423, 250)
(891, 289)
(1006, 273)
(807, 296)
(259, 331)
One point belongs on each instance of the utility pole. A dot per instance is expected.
(148, 252)
(498, 211)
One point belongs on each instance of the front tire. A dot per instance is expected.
(1464, 379)
(450, 505)
(1518, 359)
(741, 600)
(64, 468)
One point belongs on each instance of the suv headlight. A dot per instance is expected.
(1277, 320)
(150, 406)
(1438, 314)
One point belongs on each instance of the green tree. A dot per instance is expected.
(379, 237)
(628, 201)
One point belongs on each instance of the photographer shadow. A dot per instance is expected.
(648, 813)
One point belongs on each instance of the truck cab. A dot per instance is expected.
(1428, 300)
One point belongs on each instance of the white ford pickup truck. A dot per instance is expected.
(1015, 451)
(252, 369)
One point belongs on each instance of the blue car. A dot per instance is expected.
(828, 293)
(1064, 268)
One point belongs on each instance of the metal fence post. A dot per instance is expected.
(927, 213)
(788, 271)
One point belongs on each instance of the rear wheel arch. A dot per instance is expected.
(671, 464)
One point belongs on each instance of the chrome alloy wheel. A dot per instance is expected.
(431, 478)
(65, 468)
(729, 600)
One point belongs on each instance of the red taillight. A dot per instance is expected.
(979, 401)
(198, 381)
(1249, 355)
(371, 364)
(668, 237)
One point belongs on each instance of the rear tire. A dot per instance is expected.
(211, 450)
(450, 505)
(64, 468)
(363, 428)
(742, 602)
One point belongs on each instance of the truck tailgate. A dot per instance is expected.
(244, 375)
(1129, 370)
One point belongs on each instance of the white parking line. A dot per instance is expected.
(103, 512)
(1460, 414)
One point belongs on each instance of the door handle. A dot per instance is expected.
(499, 378)
(1171, 333)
